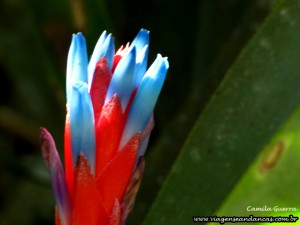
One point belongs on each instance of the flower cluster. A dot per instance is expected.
(110, 102)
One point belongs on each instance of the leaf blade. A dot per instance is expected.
(255, 97)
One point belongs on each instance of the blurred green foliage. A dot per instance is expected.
(202, 40)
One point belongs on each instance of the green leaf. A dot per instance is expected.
(257, 95)
(271, 182)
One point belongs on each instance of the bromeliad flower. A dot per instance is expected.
(110, 102)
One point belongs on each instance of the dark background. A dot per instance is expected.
(201, 39)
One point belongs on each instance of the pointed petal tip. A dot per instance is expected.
(44, 135)
(163, 60)
(78, 37)
(79, 34)
(158, 68)
(73, 37)
(104, 33)
(166, 62)
(115, 217)
(141, 39)
(105, 46)
(144, 32)
(77, 62)
(43, 130)
(48, 147)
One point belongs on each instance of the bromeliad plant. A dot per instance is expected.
(110, 102)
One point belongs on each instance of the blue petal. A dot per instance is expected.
(145, 99)
(141, 65)
(82, 124)
(141, 39)
(104, 47)
(122, 81)
(70, 64)
(141, 44)
(77, 62)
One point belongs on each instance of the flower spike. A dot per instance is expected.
(110, 103)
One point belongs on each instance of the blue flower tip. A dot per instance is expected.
(163, 60)
(79, 37)
(145, 30)
(109, 37)
(141, 39)
(144, 34)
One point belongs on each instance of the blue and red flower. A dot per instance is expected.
(110, 102)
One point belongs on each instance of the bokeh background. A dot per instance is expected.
(202, 39)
